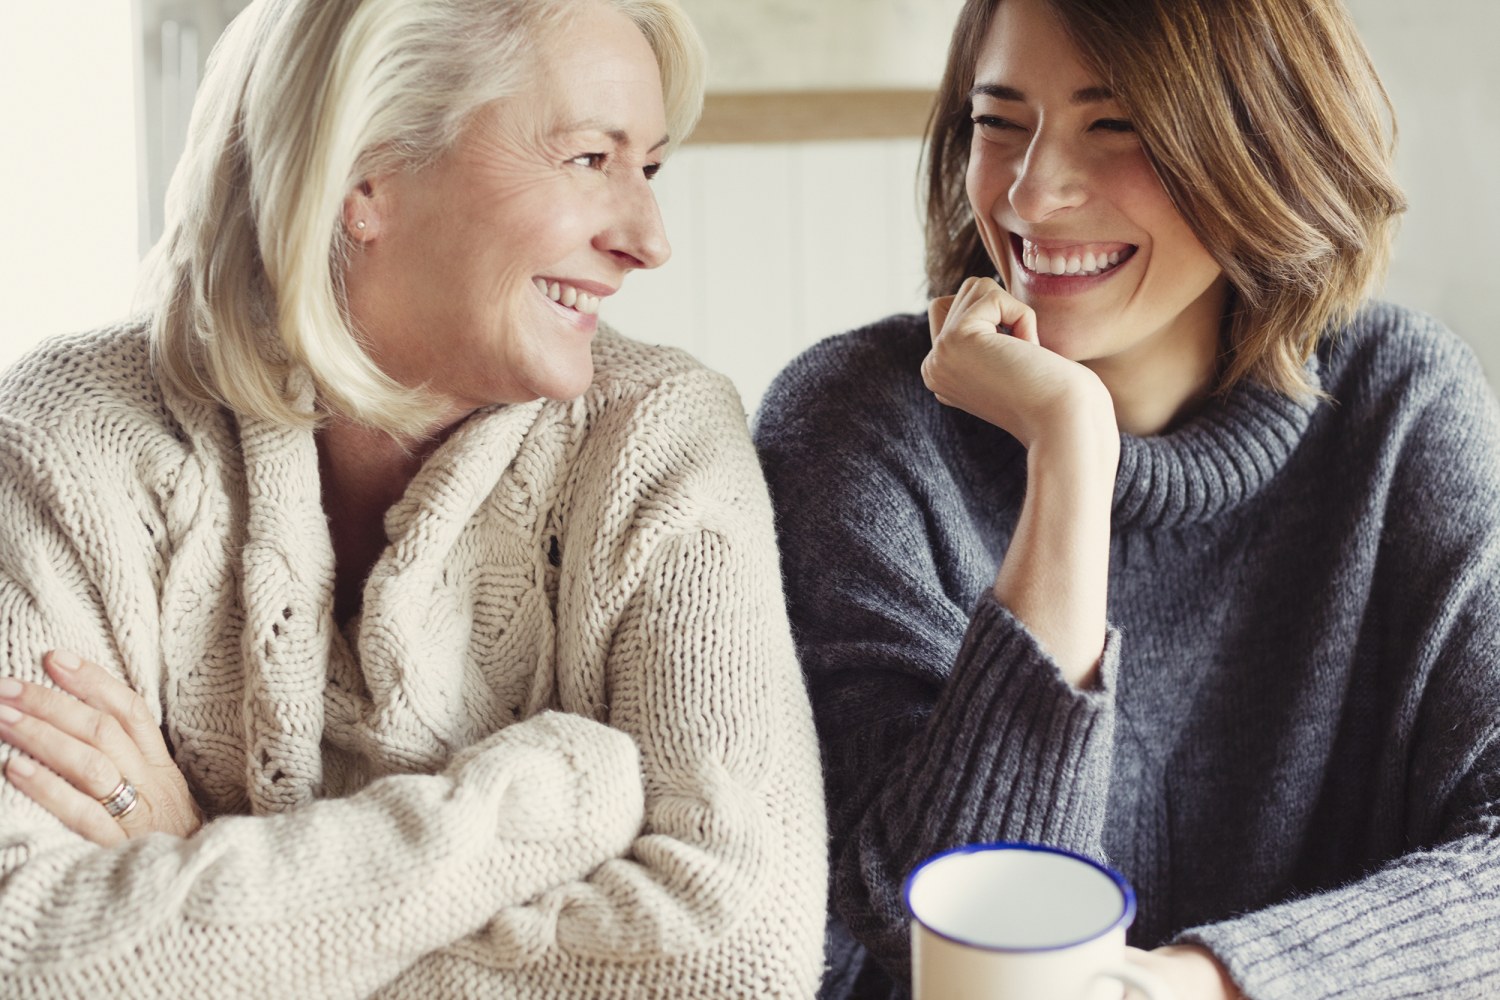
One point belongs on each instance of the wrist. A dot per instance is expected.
(1079, 438)
(1075, 463)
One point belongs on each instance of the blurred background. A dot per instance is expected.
(793, 213)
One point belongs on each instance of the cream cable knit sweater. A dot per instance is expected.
(565, 751)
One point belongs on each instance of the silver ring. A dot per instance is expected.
(120, 801)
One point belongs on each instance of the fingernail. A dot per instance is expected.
(66, 660)
(22, 766)
(9, 715)
(10, 687)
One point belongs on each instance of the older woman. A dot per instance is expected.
(1160, 545)
(459, 616)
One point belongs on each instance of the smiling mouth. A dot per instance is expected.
(1077, 260)
(569, 297)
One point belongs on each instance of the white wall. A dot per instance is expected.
(1439, 64)
(758, 45)
(776, 246)
(68, 171)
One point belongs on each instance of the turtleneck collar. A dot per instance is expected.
(1224, 455)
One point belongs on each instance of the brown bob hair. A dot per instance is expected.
(1270, 131)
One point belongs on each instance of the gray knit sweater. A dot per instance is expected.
(1294, 750)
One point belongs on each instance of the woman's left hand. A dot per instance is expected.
(89, 738)
(1190, 971)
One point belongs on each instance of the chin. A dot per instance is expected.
(1067, 339)
(569, 383)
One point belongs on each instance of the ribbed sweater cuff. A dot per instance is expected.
(1404, 932)
(1013, 751)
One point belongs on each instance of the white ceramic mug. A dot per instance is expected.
(1021, 922)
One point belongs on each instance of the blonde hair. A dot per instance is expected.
(1269, 129)
(302, 99)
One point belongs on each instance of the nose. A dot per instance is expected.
(636, 237)
(1050, 180)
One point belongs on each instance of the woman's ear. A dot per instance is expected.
(362, 213)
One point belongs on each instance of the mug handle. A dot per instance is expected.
(1134, 976)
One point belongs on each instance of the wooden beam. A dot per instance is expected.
(813, 115)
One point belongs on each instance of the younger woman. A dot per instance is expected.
(1153, 540)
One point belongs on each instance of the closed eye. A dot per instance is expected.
(1113, 125)
(994, 122)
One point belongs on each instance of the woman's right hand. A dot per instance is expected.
(1054, 577)
(1009, 379)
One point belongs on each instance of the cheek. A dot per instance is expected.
(987, 187)
(973, 182)
(565, 213)
(566, 233)
(1174, 244)
(1191, 262)
(984, 184)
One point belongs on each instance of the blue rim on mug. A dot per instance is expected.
(1127, 894)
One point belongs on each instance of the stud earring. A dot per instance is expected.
(360, 224)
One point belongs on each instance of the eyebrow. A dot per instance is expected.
(1000, 92)
(619, 135)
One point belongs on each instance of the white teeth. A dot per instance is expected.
(1084, 265)
(568, 296)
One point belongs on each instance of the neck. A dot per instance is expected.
(364, 472)
(1161, 381)
(365, 466)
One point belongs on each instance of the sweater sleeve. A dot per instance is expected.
(671, 591)
(1422, 925)
(331, 899)
(1424, 921)
(942, 723)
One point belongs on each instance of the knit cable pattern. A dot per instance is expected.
(563, 751)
